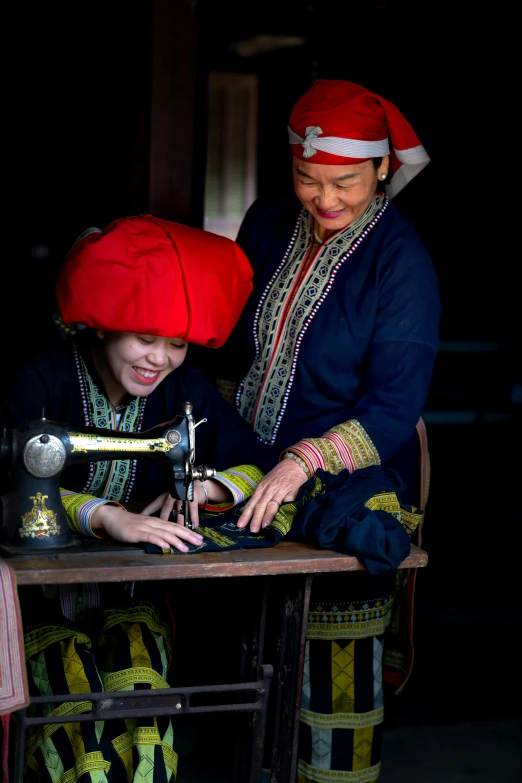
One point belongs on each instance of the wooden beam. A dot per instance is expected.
(176, 141)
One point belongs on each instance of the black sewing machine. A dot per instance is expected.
(38, 451)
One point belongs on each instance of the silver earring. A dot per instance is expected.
(383, 176)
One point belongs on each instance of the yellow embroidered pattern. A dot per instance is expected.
(308, 774)
(47, 730)
(369, 618)
(342, 720)
(284, 519)
(343, 676)
(385, 501)
(145, 735)
(143, 613)
(120, 681)
(359, 443)
(411, 520)
(332, 461)
(362, 748)
(241, 481)
(388, 501)
(215, 536)
(71, 503)
(37, 640)
(86, 764)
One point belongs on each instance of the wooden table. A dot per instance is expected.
(295, 565)
(136, 565)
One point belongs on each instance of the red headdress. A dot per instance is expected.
(151, 276)
(338, 122)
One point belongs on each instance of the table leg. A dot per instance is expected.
(19, 753)
(249, 744)
(289, 678)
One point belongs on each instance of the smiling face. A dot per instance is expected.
(336, 195)
(136, 364)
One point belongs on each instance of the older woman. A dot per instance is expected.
(331, 363)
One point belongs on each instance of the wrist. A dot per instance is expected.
(219, 494)
(203, 505)
(298, 461)
(99, 515)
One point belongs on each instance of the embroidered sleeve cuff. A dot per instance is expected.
(79, 509)
(346, 446)
(353, 444)
(307, 454)
(241, 481)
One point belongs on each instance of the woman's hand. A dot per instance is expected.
(167, 505)
(131, 528)
(279, 486)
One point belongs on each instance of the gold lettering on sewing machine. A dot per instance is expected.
(40, 521)
(87, 442)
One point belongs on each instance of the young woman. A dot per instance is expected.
(131, 299)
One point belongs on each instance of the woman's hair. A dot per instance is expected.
(376, 163)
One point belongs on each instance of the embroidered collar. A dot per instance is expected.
(263, 393)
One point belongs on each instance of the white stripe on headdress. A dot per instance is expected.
(413, 160)
(345, 148)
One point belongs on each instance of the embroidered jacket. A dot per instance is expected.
(335, 349)
(64, 383)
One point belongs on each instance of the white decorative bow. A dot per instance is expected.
(311, 133)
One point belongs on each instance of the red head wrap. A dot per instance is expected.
(151, 276)
(338, 123)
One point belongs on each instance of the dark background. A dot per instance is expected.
(105, 108)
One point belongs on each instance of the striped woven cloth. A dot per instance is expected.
(14, 693)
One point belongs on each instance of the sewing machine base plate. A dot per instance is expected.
(79, 546)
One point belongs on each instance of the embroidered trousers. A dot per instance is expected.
(132, 652)
(342, 710)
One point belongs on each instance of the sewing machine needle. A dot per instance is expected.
(186, 515)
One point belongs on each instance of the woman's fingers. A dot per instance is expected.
(167, 534)
(165, 504)
(132, 528)
(279, 486)
(169, 506)
(261, 507)
(260, 515)
(170, 509)
(155, 505)
(194, 512)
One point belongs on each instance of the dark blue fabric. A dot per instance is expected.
(339, 520)
(335, 518)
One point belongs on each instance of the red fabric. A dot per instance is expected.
(349, 111)
(150, 276)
